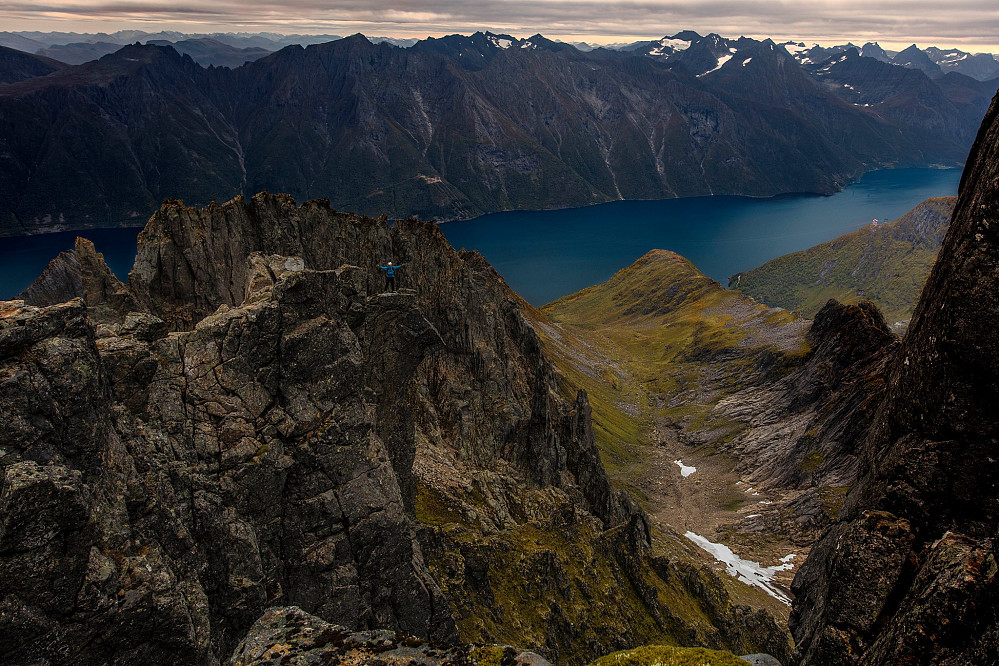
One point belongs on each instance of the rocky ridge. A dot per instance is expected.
(908, 573)
(249, 422)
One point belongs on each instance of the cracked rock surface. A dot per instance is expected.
(246, 424)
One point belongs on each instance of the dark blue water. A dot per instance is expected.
(547, 254)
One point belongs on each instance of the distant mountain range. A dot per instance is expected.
(454, 127)
(210, 48)
(933, 61)
(219, 48)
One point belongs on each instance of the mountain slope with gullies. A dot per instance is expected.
(886, 263)
(907, 574)
(450, 128)
(250, 422)
(725, 418)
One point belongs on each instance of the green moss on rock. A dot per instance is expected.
(664, 655)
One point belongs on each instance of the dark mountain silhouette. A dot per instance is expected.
(451, 128)
(18, 66)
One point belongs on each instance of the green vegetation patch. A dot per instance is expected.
(887, 264)
(663, 655)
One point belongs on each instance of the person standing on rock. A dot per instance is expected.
(390, 275)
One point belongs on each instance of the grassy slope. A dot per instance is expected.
(656, 347)
(674, 339)
(669, 656)
(887, 264)
(607, 342)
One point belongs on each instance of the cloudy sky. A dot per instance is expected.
(970, 24)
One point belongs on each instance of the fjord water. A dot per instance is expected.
(547, 254)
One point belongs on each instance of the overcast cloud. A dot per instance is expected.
(967, 23)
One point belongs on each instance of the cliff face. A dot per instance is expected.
(801, 431)
(908, 573)
(249, 422)
(177, 485)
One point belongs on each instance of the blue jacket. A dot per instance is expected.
(390, 270)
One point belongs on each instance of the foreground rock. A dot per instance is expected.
(908, 573)
(249, 423)
(290, 636)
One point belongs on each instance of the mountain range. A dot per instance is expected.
(250, 452)
(455, 127)
(77, 48)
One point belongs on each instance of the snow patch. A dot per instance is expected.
(754, 515)
(746, 61)
(747, 571)
(685, 470)
(721, 61)
(667, 45)
(501, 42)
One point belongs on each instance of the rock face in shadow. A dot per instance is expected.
(803, 429)
(251, 423)
(908, 573)
(174, 486)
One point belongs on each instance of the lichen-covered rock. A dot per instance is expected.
(290, 636)
(225, 468)
(919, 584)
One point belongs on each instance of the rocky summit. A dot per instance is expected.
(251, 423)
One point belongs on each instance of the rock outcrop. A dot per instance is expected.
(908, 573)
(80, 273)
(802, 430)
(250, 423)
(291, 636)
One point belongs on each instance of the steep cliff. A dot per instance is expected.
(908, 573)
(250, 422)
